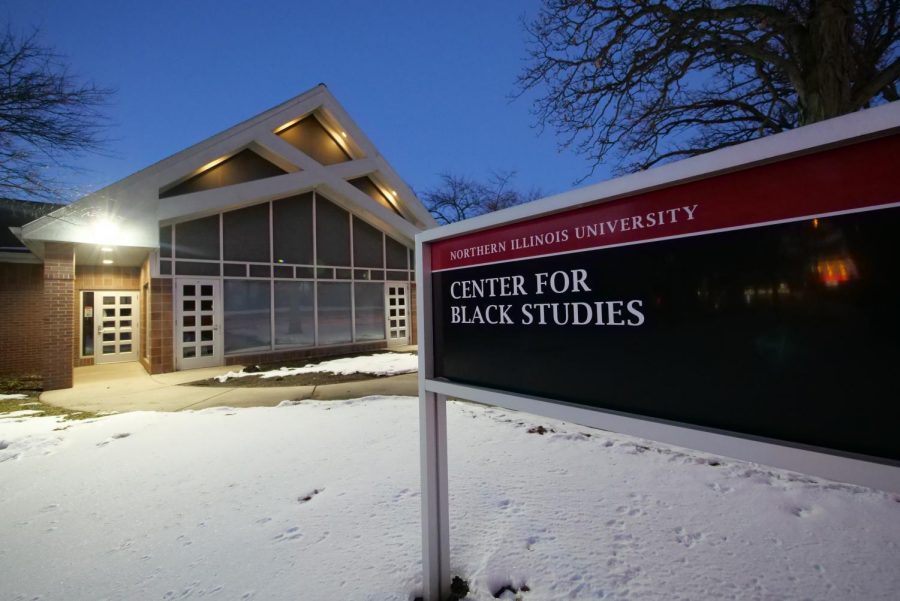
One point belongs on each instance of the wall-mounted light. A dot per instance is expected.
(343, 133)
(107, 261)
(104, 228)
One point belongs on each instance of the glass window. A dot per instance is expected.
(236, 269)
(87, 323)
(245, 234)
(191, 268)
(334, 313)
(367, 245)
(292, 229)
(165, 241)
(369, 311)
(294, 313)
(396, 254)
(247, 315)
(198, 239)
(332, 233)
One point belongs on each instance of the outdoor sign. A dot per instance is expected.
(747, 305)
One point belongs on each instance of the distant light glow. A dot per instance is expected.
(107, 261)
(834, 272)
(107, 249)
(343, 133)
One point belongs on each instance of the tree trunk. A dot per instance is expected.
(827, 60)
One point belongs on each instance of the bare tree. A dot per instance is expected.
(459, 197)
(665, 79)
(46, 116)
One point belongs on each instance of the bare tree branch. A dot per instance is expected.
(459, 197)
(644, 81)
(46, 116)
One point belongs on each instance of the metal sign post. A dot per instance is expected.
(435, 500)
(742, 303)
(433, 452)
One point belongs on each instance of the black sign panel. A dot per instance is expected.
(788, 332)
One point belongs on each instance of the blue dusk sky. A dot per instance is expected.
(429, 82)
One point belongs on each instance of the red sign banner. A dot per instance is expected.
(847, 179)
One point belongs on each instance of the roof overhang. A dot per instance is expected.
(127, 214)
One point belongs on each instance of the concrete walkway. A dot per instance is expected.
(127, 387)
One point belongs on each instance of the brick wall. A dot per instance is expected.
(161, 358)
(58, 334)
(21, 331)
(98, 277)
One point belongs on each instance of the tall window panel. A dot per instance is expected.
(294, 313)
(247, 315)
(335, 325)
(245, 234)
(332, 233)
(368, 246)
(396, 254)
(292, 229)
(198, 239)
(369, 304)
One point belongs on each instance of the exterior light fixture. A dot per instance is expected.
(343, 133)
(107, 261)
(106, 231)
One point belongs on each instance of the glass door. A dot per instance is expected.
(116, 318)
(198, 337)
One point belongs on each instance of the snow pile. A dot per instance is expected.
(19, 413)
(320, 500)
(381, 364)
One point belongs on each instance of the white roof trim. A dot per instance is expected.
(136, 198)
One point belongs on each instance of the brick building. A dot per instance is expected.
(285, 237)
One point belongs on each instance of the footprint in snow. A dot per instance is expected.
(720, 488)
(292, 533)
(802, 512)
(114, 437)
(309, 496)
(688, 539)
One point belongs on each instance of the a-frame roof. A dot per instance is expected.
(133, 204)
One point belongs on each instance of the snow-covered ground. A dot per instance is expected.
(382, 364)
(319, 501)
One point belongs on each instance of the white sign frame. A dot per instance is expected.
(856, 127)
